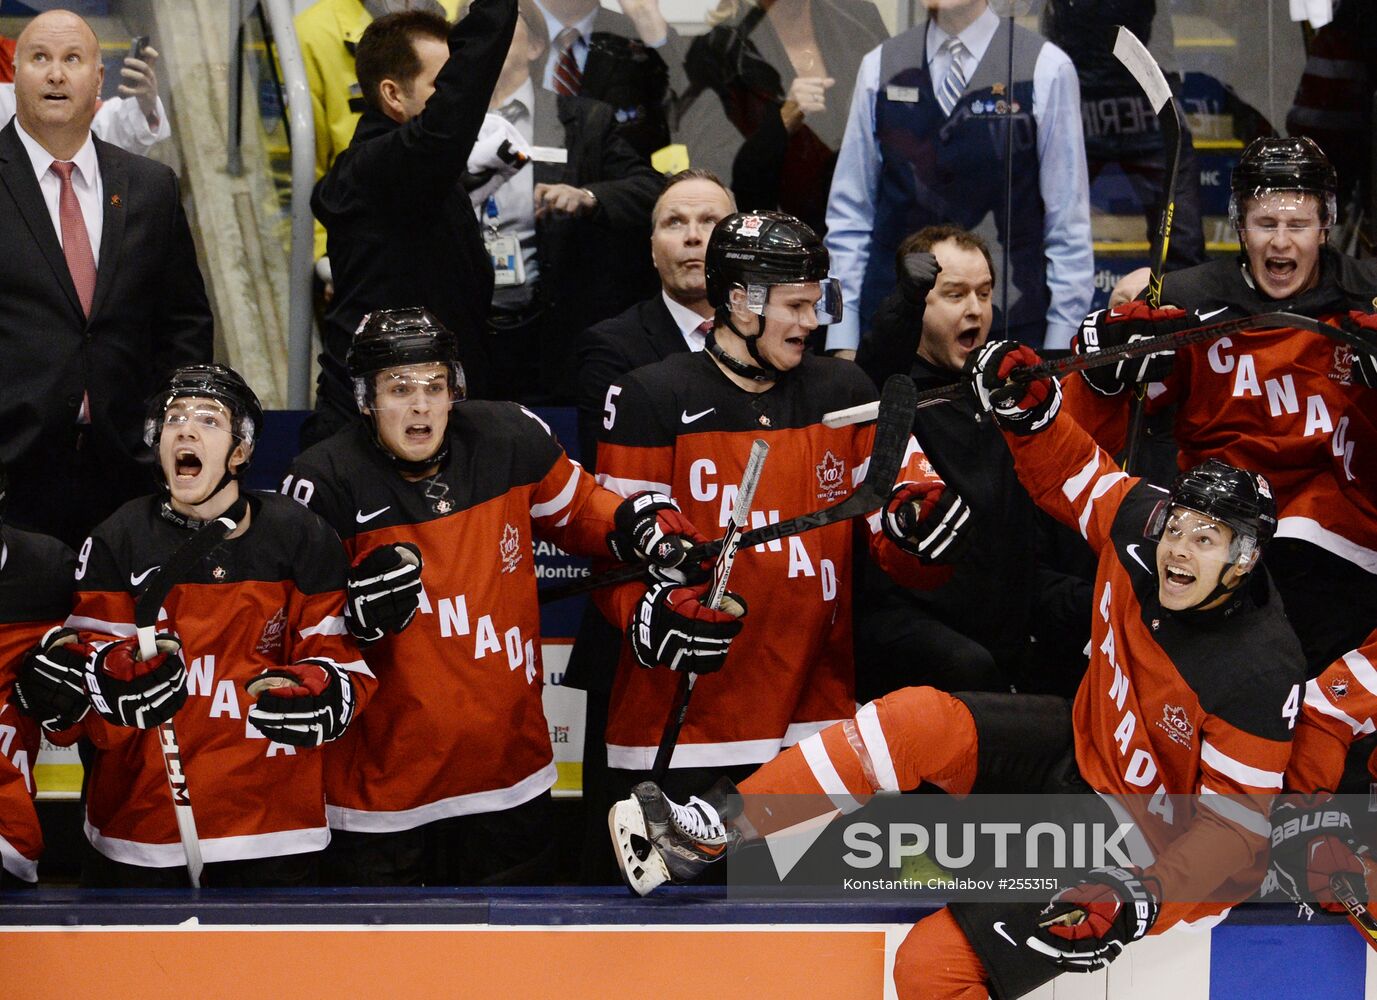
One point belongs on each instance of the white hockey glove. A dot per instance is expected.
(501, 150)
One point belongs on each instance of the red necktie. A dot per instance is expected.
(76, 242)
(568, 76)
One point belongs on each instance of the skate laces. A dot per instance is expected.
(700, 822)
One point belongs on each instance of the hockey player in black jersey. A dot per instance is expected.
(267, 600)
(447, 779)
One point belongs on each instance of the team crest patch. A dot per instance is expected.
(1341, 365)
(750, 226)
(510, 548)
(1338, 687)
(270, 642)
(1263, 487)
(831, 473)
(1176, 724)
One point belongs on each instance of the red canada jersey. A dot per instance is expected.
(272, 596)
(457, 726)
(35, 595)
(1340, 708)
(1280, 402)
(682, 427)
(1198, 703)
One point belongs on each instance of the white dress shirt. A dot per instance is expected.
(688, 322)
(515, 202)
(1063, 179)
(554, 26)
(86, 183)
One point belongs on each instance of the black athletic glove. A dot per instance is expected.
(917, 273)
(51, 686)
(672, 628)
(304, 704)
(132, 692)
(1110, 329)
(651, 529)
(1364, 362)
(927, 520)
(1086, 925)
(1314, 840)
(1022, 409)
(384, 591)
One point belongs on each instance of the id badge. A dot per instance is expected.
(508, 269)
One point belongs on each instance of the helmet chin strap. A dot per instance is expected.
(235, 511)
(762, 371)
(1220, 589)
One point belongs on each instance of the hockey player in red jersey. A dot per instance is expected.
(685, 426)
(267, 600)
(1292, 404)
(1187, 630)
(448, 777)
(35, 597)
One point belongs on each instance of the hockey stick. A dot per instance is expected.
(1341, 884)
(146, 608)
(894, 419)
(1098, 359)
(731, 544)
(1135, 58)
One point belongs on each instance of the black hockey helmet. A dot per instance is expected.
(1225, 493)
(218, 382)
(761, 248)
(1283, 164)
(394, 338)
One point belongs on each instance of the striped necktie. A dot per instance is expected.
(955, 81)
(568, 76)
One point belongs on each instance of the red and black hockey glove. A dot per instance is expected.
(1364, 362)
(1313, 842)
(651, 529)
(303, 704)
(672, 628)
(384, 591)
(1087, 925)
(51, 686)
(1111, 329)
(129, 691)
(927, 520)
(1024, 408)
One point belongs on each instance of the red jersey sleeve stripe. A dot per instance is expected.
(873, 736)
(351, 667)
(831, 783)
(1102, 486)
(1076, 485)
(625, 487)
(1362, 670)
(84, 623)
(1318, 703)
(550, 508)
(1230, 767)
(1235, 812)
(329, 625)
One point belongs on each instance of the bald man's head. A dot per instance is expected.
(57, 80)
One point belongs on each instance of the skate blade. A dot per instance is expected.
(638, 859)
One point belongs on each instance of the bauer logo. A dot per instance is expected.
(510, 548)
(831, 473)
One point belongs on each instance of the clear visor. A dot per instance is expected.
(798, 303)
(1196, 531)
(1269, 210)
(203, 414)
(414, 385)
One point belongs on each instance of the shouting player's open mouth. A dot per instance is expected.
(969, 338)
(418, 433)
(1280, 269)
(186, 465)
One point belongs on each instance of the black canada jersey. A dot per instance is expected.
(272, 596)
(458, 725)
(682, 427)
(35, 594)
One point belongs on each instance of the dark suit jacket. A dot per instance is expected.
(623, 72)
(642, 335)
(149, 315)
(593, 266)
(401, 229)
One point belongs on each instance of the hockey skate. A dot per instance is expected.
(658, 841)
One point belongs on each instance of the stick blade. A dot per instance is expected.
(1134, 56)
(893, 424)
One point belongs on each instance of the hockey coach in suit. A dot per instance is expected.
(101, 293)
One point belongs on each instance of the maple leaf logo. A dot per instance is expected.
(509, 548)
(831, 473)
(1177, 724)
(270, 642)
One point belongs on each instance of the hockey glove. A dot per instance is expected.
(917, 273)
(51, 685)
(132, 692)
(1364, 362)
(650, 528)
(1022, 409)
(304, 704)
(1111, 329)
(384, 591)
(498, 153)
(672, 628)
(1313, 841)
(1086, 925)
(927, 520)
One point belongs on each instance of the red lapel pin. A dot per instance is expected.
(115, 200)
